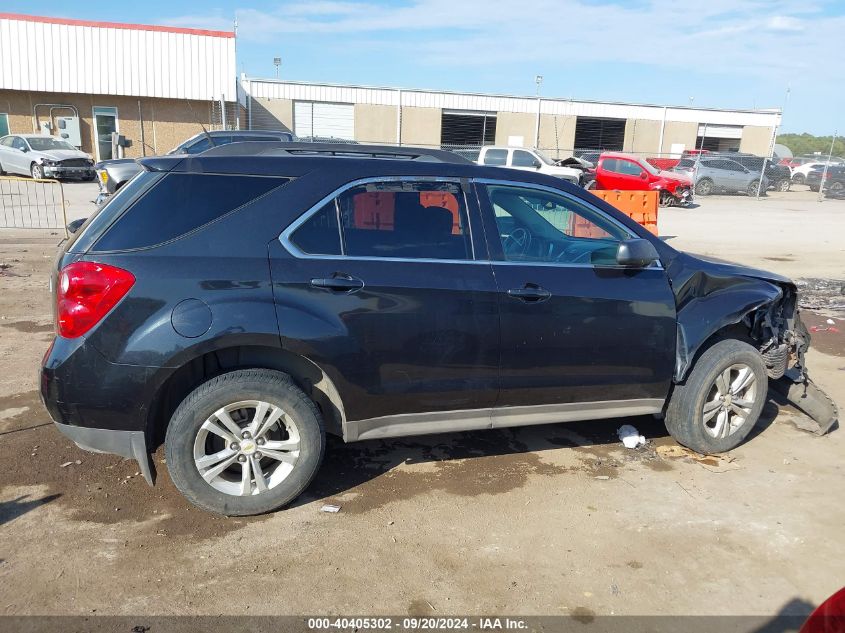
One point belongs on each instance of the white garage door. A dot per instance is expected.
(330, 120)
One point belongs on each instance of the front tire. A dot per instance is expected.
(704, 187)
(782, 185)
(243, 443)
(798, 179)
(753, 188)
(721, 400)
(36, 171)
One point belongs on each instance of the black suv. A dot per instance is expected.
(241, 304)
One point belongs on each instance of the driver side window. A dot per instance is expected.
(541, 226)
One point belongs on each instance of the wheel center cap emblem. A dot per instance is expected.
(728, 399)
(248, 447)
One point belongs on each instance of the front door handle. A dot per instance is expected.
(341, 283)
(530, 293)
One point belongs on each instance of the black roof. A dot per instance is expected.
(342, 165)
(344, 150)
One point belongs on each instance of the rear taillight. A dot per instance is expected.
(86, 292)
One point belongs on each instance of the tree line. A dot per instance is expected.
(810, 144)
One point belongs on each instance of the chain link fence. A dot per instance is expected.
(26, 203)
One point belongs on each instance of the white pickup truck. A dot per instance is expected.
(528, 159)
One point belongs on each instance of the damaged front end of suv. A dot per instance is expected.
(717, 299)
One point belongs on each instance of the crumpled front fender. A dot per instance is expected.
(701, 317)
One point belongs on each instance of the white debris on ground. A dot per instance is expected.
(330, 508)
(630, 436)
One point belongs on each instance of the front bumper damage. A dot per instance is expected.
(784, 356)
(805, 395)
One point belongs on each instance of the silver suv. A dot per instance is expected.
(721, 175)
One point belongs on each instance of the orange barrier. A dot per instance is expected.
(374, 209)
(640, 206)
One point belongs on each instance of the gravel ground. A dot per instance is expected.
(557, 519)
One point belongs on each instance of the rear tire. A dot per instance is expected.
(836, 187)
(699, 418)
(782, 185)
(798, 179)
(217, 430)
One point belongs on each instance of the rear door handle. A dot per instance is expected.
(530, 293)
(341, 283)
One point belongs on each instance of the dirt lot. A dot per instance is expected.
(557, 519)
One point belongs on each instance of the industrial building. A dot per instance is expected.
(113, 89)
(454, 119)
(131, 90)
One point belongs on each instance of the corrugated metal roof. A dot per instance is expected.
(74, 56)
(415, 97)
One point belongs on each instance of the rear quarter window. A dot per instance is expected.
(180, 203)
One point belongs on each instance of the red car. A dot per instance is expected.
(627, 172)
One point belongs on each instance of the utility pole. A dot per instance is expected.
(538, 79)
(826, 165)
(772, 143)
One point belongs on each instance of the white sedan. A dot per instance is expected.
(42, 156)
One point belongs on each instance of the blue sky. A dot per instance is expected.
(720, 53)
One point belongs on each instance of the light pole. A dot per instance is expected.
(538, 79)
(277, 61)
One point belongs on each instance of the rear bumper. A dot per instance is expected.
(129, 444)
(101, 406)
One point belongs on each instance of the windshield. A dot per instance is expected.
(654, 171)
(543, 157)
(46, 143)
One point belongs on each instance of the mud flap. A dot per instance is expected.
(810, 400)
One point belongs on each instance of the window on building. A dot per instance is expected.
(467, 128)
(599, 133)
(717, 144)
(497, 157)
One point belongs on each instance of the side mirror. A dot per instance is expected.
(73, 227)
(636, 253)
(537, 164)
(24, 149)
(643, 175)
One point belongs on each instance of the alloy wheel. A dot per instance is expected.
(246, 448)
(729, 401)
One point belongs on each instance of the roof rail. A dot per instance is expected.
(346, 150)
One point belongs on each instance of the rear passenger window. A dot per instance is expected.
(410, 220)
(496, 157)
(319, 234)
(180, 203)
